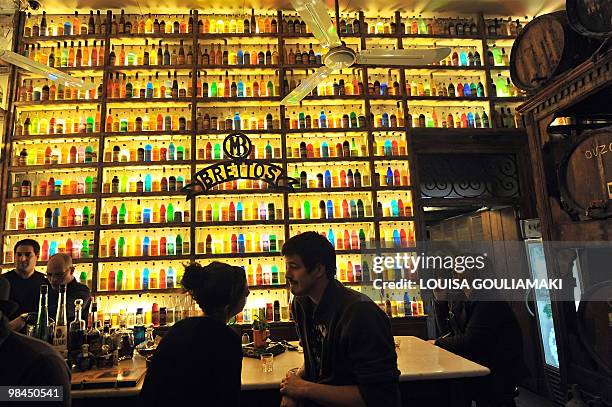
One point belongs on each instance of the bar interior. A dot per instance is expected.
(163, 166)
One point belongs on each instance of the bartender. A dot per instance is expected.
(25, 281)
(61, 271)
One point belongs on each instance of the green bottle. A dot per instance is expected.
(119, 285)
(213, 90)
(42, 322)
(217, 152)
(170, 213)
(83, 277)
(306, 209)
(85, 248)
(122, 214)
(179, 245)
(362, 238)
(89, 185)
(216, 212)
(121, 247)
(86, 216)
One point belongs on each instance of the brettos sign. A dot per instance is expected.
(237, 146)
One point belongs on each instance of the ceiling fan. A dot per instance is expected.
(314, 13)
(8, 8)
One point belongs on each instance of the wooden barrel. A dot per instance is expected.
(592, 18)
(585, 175)
(545, 48)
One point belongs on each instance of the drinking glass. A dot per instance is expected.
(267, 362)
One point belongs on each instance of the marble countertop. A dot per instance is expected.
(416, 359)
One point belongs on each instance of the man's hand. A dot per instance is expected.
(288, 402)
(17, 324)
(294, 386)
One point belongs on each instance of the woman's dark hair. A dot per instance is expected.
(214, 286)
(313, 249)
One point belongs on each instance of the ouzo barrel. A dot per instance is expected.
(591, 18)
(546, 48)
(585, 174)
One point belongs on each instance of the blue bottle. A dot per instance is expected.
(147, 183)
(331, 238)
(396, 238)
(149, 90)
(471, 122)
(146, 215)
(324, 150)
(146, 244)
(52, 248)
(239, 212)
(385, 119)
(148, 153)
(240, 57)
(407, 305)
(241, 246)
(68, 28)
(170, 277)
(388, 148)
(145, 278)
(353, 207)
(56, 216)
(389, 176)
(323, 120)
(237, 124)
(171, 152)
(330, 209)
(327, 181)
(240, 89)
(394, 208)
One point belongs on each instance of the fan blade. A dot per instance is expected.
(406, 57)
(314, 13)
(307, 85)
(38, 68)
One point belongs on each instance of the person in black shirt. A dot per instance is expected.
(28, 361)
(200, 358)
(61, 271)
(25, 281)
(349, 352)
(481, 327)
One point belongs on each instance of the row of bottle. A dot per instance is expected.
(177, 120)
(335, 120)
(41, 218)
(234, 86)
(141, 55)
(237, 242)
(228, 54)
(263, 120)
(463, 119)
(45, 91)
(138, 245)
(453, 27)
(237, 211)
(259, 150)
(77, 248)
(147, 153)
(128, 87)
(466, 88)
(397, 237)
(67, 56)
(52, 156)
(36, 185)
(499, 26)
(503, 87)
(402, 308)
(295, 56)
(462, 57)
(497, 56)
(135, 279)
(70, 122)
(137, 214)
(331, 179)
(325, 149)
(504, 118)
(68, 25)
(148, 183)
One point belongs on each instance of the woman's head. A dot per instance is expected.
(218, 288)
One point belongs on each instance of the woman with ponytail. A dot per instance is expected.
(200, 358)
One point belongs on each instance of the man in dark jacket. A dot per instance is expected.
(349, 352)
(61, 271)
(482, 328)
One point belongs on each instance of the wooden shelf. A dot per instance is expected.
(88, 228)
(276, 222)
(204, 36)
(149, 133)
(448, 98)
(241, 192)
(443, 37)
(51, 167)
(327, 190)
(64, 38)
(347, 130)
(314, 221)
(228, 67)
(151, 291)
(44, 263)
(205, 132)
(56, 136)
(391, 158)
(148, 101)
(509, 99)
(141, 194)
(120, 68)
(272, 99)
(327, 160)
(154, 36)
(203, 256)
(124, 259)
(69, 102)
(140, 226)
(167, 163)
(257, 160)
(50, 198)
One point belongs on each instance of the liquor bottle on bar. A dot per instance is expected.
(76, 330)
(60, 333)
(41, 330)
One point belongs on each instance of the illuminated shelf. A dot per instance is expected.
(448, 98)
(236, 35)
(152, 291)
(257, 160)
(150, 67)
(391, 158)
(390, 35)
(443, 37)
(168, 163)
(378, 129)
(44, 263)
(383, 188)
(395, 218)
(161, 36)
(124, 259)
(335, 97)
(268, 287)
(314, 221)
(301, 35)
(204, 256)
(56, 136)
(240, 223)
(141, 194)
(228, 67)
(87, 228)
(499, 67)
(435, 68)
(209, 101)
(138, 226)
(51, 167)
(148, 102)
(419, 131)
(88, 69)
(233, 192)
(324, 190)
(385, 97)
(509, 99)
(501, 37)
(149, 133)
(62, 38)
(341, 130)
(327, 159)
(82, 103)
(211, 131)
(50, 198)
(302, 66)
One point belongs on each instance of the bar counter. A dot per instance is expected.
(417, 360)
